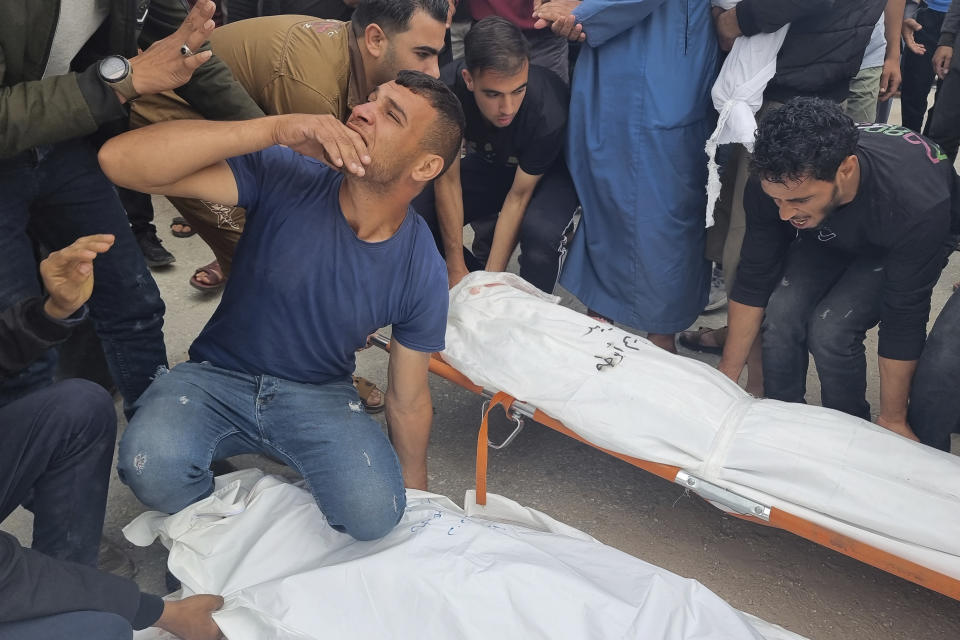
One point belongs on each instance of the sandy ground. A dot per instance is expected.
(769, 573)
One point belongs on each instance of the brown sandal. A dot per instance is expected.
(693, 340)
(215, 275)
(364, 389)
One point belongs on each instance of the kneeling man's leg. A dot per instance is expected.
(57, 446)
(188, 417)
(837, 329)
(344, 455)
(809, 273)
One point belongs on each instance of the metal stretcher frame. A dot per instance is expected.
(726, 500)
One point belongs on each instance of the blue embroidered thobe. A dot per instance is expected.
(640, 113)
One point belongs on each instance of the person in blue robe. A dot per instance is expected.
(640, 114)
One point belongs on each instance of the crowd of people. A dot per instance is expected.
(331, 152)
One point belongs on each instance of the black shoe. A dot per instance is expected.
(153, 251)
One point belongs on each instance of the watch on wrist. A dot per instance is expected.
(118, 73)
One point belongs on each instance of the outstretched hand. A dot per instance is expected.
(908, 33)
(162, 66)
(325, 138)
(68, 275)
(191, 618)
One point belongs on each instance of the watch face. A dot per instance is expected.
(113, 68)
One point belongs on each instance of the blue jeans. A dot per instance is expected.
(934, 402)
(56, 194)
(823, 305)
(78, 625)
(198, 413)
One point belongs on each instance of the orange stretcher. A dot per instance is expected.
(727, 500)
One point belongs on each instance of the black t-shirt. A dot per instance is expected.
(905, 210)
(534, 139)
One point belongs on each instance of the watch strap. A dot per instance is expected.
(125, 87)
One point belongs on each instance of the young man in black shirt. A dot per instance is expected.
(516, 119)
(847, 226)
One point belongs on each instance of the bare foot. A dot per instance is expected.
(665, 341)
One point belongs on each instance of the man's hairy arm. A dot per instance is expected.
(409, 412)
(511, 217)
(744, 326)
(895, 379)
(187, 158)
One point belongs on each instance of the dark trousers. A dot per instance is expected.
(55, 460)
(139, 208)
(823, 305)
(934, 402)
(243, 9)
(917, 70)
(546, 222)
(57, 194)
(81, 625)
(944, 125)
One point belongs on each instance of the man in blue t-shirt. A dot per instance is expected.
(326, 258)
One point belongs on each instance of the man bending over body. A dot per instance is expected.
(271, 370)
(848, 226)
(514, 171)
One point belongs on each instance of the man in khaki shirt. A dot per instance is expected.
(299, 64)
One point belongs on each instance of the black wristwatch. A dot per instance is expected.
(117, 72)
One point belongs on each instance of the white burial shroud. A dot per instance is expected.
(441, 573)
(738, 94)
(620, 392)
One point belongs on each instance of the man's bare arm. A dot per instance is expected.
(449, 206)
(187, 157)
(511, 217)
(895, 379)
(744, 326)
(409, 412)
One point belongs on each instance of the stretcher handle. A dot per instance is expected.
(499, 399)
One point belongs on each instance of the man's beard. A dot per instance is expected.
(831, 207)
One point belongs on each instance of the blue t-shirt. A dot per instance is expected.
(304, 292)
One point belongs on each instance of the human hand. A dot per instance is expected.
(68, 275)
(889, 79)
(162, 66)
(728, 29)
(900, 427)
(731, 371)
(325, 138)
(456, 272)
(190, 618)
(941, 61)
(907, 32)
(558, 15)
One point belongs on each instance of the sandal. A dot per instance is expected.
(693, 340)
(215, 277)
(365, 389)
(182, 223)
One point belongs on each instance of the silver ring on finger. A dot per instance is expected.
(186, 51)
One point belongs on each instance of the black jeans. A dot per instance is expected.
(55, 460)
(917, 70)
(934, 402)
(139, 208)
(57, 194)
(824, 304)
(944, 124)
(543, 232)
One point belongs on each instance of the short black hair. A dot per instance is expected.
(806, 137)
(495, 44)
(445, 136)
(393, 16)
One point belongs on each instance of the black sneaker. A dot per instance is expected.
(153, 251)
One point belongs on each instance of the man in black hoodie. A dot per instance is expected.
(56, 447)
